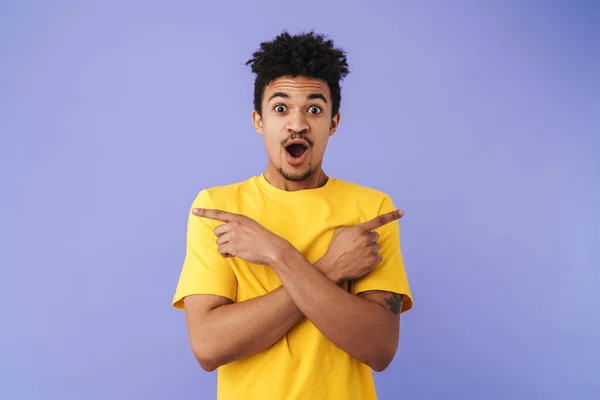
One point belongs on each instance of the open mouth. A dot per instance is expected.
(296, 149)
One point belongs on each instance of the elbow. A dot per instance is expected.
(381, 364)
(204, 357)
(381, 361)
(207, 365)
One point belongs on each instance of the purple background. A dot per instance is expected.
(481, 121)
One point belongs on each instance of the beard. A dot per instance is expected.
(296, 177)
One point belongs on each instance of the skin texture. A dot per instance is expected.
(365, 326)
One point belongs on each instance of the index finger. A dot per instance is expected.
(219, 215)
(381, 220)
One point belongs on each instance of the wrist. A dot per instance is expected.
(325, 265)
(280, 249)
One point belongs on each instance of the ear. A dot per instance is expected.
(257, 121)
(335, 122)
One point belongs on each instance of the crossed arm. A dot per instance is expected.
(365, 326)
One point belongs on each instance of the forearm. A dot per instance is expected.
(356, 325)
(239, 330)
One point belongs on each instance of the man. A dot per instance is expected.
(293, 281)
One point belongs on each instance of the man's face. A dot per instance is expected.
(296, 124)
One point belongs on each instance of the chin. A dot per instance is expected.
(296, 176)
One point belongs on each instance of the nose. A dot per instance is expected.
(297, 123)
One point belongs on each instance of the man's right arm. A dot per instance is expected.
(221, 331)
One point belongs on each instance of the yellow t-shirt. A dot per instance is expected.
(303, 364)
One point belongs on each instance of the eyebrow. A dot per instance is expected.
(309, 97)
(316, 96)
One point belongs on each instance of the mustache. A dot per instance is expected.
(297, 136)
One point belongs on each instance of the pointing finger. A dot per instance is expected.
(219, 215)
(381, 220)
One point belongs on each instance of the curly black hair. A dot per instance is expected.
(307, 54)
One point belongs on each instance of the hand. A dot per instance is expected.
(352, 252)
(243, 237)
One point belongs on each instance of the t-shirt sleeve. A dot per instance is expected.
(204, 270)
(390, 274)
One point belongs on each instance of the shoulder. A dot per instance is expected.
(364, 195)
(222, 195)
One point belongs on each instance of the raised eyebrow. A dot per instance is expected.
(314, 96)
(279, 94)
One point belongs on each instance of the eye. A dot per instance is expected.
(314, 110)
(279, 108)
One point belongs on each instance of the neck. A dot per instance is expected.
(317, 179)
